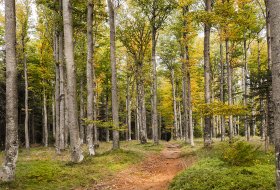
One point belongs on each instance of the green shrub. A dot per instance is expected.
(240, 153)
(213, 174)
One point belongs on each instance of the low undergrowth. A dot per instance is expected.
(239, 166)
(42, 169)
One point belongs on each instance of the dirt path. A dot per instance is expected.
(154, 173)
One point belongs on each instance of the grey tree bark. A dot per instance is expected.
(154, 87)
(76, 152)
(269, 126)
(222, 123)
(57, 95)
(207, 78)
(107, 118)
(262, 112)
(90, 77)
(185, 80)
(128, 108)
(115, 109)
(45, 120)
(229, 78)
(274, 7)
(175, 122)
(53, 116)
(82, 114)
(246, 124)
(26, 107)
(190, 104)
(141, 108)
(11, 147)
(61, 93)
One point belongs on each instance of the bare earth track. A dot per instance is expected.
(154, 173)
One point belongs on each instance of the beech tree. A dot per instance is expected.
(7, 173)
(274, 6)
(90, 77)
(115, 106)
(76, 152)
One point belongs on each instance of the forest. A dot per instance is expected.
(140, 94)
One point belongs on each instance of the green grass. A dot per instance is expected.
(214, 172)
(42, 169)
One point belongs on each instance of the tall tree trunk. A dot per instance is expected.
(90, 77)
(107, 118)
(128, 108)
(76, 152)
(115, 109)
(45, 114)
(53, 116)
(246, 124)
(261, 96)
(66, 113)
(207, 78)
(57, 94)
(33, 129)
(154, 88)
(190, 103)
(274, 7)
(180, 119)
(159, 124)
(184, 78)
(61, 94)
(269, 111)
(222, 123)
(26, 108)
(175, 122)
(229, 78)
(137, 115)
(11, 146)
(82, 115)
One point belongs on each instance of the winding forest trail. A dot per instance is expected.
(154, 173)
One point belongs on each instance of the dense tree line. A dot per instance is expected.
(80, 72)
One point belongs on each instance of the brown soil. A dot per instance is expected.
(154, 173)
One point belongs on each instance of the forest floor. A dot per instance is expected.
(154, 173)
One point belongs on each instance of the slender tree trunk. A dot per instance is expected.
(180, 119)
(128, 109)
(90, 87)
(115, 109)
(11, 146)
(222, 124)
(45, 114)
(53, 116)
(184, 78)
(82, 115)
(175, 122)
(26, 108)
(154, 88)
(207, 27)
(261, 96)
(57, 95)
(76, 152)
(229, 77)
(269, 111)
(61, 95)
(107, 118)
(189, 101)
(137, 115)
(246, 124)
(33, 129)
(274, 7)
(160, 127)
